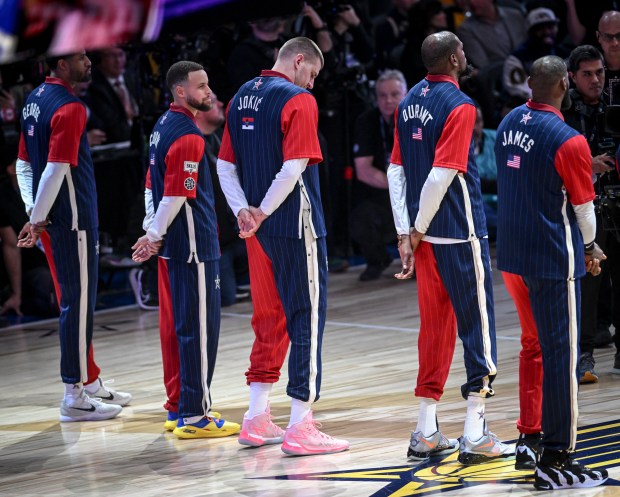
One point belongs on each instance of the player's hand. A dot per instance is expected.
(247, 225)
(29, 234)
(13, 303)
(258, 215)
(95, 137)
(143, 249)
(416, 238)
(603, 163)
(406, 256)
(593, 261)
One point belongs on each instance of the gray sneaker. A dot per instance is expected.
(84, 408)
(488, 448)
(422, 448)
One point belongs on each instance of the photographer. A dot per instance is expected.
(342, 94)
(586, 113)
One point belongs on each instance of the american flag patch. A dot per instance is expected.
(514, 161)
(417, 135)
(152, 162)
(247, 123)
(31, 130)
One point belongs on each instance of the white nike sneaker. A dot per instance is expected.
(85, 408)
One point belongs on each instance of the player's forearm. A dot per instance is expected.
(586, 220)
(23, 170)
(231, 186)
(13, 260)
(49, 186)
(283, 184)
(149, 209)
(433, 192)
(398, 199)
(167, 210)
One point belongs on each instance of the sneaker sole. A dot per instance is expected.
(299, 451)
(259, 442)
(98, 417)
(424, 456)
(192, 433)
(469, 458)
(545, 485)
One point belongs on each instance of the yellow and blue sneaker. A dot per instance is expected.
(173, 417)
(205, 427)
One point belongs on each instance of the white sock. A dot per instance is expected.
(94, 386)
(259, 398)
(474, 421)
(427, 420)
(299, 410)
(72, 392)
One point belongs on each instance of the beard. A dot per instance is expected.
(81, 77)
(566, 102)
(466, 71)
(196, 104)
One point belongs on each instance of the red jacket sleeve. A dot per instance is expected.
(396, 158)
(573, 162)
(300, 120)
(147, 181)
(226, 151)
(453, 146)
(182, 160)
(23, 151)
(68, 124)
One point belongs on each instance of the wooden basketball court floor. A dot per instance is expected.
(370, 364)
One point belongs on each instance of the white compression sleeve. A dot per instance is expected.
(149, 209)
(397, 185)
(23, 170)
(586, 219)
(49, 186)
(167, 210)
(433, 191)
(283, 184)
(229, 181)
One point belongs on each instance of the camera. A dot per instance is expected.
(328, 8)
(611, 120)
(609, 205)
(607, 146)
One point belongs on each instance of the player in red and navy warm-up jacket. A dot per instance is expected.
(56, 178)
(435, 195)
(184, 221)
(268, 160)
(545, 213)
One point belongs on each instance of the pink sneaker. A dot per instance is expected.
(304, 439)
(260, 430)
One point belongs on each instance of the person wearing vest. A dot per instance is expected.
(181, 228)
(57, 184)
(439, 217)
(546, 230)
(267, 169)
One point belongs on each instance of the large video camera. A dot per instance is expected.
(609, 207)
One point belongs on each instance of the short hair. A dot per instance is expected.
(583, 53)
(545, 73)
(179, 72)
(301, 45)
(437, 48)
(52, 61)
(391, 75)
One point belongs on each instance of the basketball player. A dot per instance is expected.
(184, 217)
(434, 182)
(545, 213)
(267, 169)
(56, 180)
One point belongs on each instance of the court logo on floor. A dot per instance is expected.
(598, 446)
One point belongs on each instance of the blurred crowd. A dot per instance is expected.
(372, 56)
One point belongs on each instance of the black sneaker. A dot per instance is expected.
(586, 369)
(526, 451)
(557, 470)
